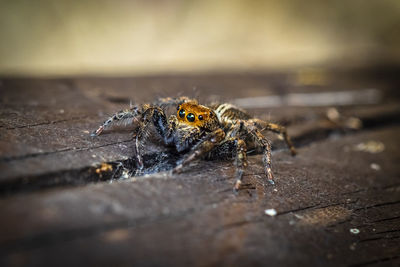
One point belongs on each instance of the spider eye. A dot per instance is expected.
(201, 117)
(178, 108)
(182, 113)
(190, 117)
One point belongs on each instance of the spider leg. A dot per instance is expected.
(241, 162)
(163, 127)
(276, 129)
(266, 145)
(123, 117)
(210, 141)
(238, 128)
(141, 137)
(232, 148)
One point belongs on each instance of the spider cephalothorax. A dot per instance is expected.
(193, 114)
(220, 130)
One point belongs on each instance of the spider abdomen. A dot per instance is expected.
(228, 111)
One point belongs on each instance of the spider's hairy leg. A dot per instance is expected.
(241, 162)
(266, 146)
(141, 137)
(157, 116)
(204, 146)
(276, 129)
(232, 148)
(164, 127)
(123, 117)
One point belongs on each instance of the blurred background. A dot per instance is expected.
(125, 37)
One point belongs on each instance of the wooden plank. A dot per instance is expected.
(194, 218)
(332, 186)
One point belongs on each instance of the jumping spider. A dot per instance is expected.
(197, 131)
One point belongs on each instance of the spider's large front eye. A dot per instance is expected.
(190, 117)
(182, 113)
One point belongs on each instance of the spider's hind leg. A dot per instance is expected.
(276, 129)
(232, 148)
(266, 146)
(240, 162)
(123, 117)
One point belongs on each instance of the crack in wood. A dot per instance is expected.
(75, 149)
(316, 207)
(387, 219)
(379, 260)
(378, 238)
(378, 205)
(387, 232)
(46, 123)
(296, 210)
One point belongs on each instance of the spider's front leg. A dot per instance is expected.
(205, 145)
(164, 128)
(123, 117)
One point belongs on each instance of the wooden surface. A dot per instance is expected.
(56, 210)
